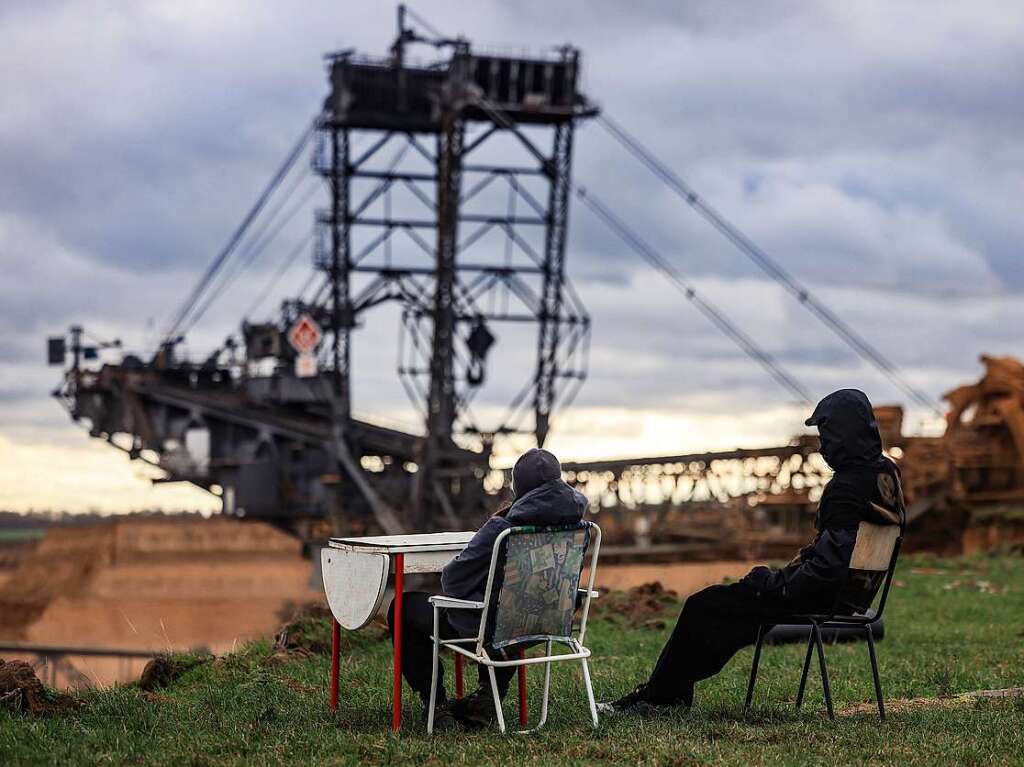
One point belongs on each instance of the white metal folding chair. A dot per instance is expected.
(530, 597)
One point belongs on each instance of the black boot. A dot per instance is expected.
(476, 710)
(638, 702)
(444, 721)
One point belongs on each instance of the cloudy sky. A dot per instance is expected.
(874, 148)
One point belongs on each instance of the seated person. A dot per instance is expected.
(541, 498)
(720, 620)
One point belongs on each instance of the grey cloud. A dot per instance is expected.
(874, 150)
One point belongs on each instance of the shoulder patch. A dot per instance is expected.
(887, 487)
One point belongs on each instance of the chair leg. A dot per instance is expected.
(753, 668)
(874, 672)
(807, 668)
(824, 672)
(497, 700)
(433, 677)
(590, 692)
(521, 674)
(547, 690)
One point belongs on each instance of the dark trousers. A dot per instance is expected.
(418, 647)
(714, 625)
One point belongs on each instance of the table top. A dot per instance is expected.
(400, 544)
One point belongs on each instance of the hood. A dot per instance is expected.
(553, 503)
(534, 467)
(848, 431)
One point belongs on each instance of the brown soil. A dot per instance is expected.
(152, 585)
(298, 686)
(307, 632)
(155, 697)
(640, 605)
(910, 704)
(21, 690)
(994, 534)
(685, 578)
(163, 670)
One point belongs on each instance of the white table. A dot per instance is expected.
(355, 574)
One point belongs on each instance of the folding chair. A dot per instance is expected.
(872, 564)
(531, 597)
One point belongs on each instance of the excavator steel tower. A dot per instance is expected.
(448, 195)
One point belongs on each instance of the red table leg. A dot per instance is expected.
(396, 696)
(522, 692)
(335, 662)
(459, 689)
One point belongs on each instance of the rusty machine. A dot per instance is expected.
(471, 246)
(974, 472)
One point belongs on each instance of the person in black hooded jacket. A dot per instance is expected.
(541, 498)
(720, 620)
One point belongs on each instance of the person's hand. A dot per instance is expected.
(503, 510)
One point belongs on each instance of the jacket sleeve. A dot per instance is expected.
(804, 553)
(810, 580)
(769, 580)
(815, 580)
(466, 575)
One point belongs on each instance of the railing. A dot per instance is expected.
(55, 657)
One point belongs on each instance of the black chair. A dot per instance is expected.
(872, 565)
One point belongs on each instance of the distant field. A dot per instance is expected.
(21, 534)
(953, 625)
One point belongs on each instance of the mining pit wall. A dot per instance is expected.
(154, 585)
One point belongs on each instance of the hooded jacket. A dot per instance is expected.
(465, 577)
(864, 488)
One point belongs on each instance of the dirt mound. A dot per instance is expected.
(308, 632)
(21, 690)
(643, 604)
(949, 701)
(298, 686)
(164, 669)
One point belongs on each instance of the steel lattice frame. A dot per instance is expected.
(448, 291)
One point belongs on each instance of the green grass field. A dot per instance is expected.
(952, 626)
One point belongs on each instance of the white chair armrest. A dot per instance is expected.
(593, 594)
(455, 604)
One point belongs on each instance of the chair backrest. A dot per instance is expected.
(535, 574)
(872, 563)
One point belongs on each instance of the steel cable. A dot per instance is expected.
(225, 253)
(746, 246)
(709, 310)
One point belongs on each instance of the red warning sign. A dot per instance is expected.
(305, 334)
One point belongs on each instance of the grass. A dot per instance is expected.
(18, 534)
(953, 625)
